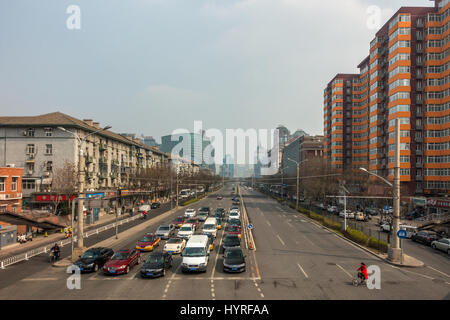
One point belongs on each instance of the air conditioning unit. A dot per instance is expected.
(11, 165)
(46, 173)
(30, 172)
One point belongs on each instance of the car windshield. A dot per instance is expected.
(89, 255)
(155, 259)
(185, 229)
(235, 221)
(234, 254)
(179, 219)
(231, 240)
(119, 256)
(163, 228)
(173, 240)
(233, 229)
(194, 252)
(205, 209)
(147, 239)
(209, 226)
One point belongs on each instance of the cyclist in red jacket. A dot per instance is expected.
(362, 272)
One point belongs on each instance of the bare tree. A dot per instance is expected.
(64, 182)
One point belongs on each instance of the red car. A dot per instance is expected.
(148, 242)
(233, 229)
(179, 221)
(194, 222)
(219, 197)
(122, 261)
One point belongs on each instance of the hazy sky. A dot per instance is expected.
(151, 66)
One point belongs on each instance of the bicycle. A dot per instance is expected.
(359, 281)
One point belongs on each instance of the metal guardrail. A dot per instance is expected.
(44, 249)
(248, 234)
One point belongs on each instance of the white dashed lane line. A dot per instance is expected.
(300, 267)
(344, 271)
(281, 240)
(439, 271)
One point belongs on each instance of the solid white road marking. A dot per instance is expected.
(39, 279)
(344, 271)
(405, 270)
(268, 223)
(298, 264)
(439, 271)
(282, 242)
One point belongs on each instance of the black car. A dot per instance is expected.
(205, 209)
(156, 264)
(219, 212)
(156, 205)
(234, 260)
(234, 222)
(425, 237)
(231, 241)
(93, 259)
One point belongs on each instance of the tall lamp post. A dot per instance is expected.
(81, 181)
(298, 178)
(395, 253)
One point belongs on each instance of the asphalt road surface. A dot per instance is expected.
(294, 259)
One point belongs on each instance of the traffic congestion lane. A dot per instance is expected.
(328, 260)
(46, 275)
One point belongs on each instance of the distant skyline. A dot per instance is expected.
(151, 67)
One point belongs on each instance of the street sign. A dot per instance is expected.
(401, 234)
(250, 226)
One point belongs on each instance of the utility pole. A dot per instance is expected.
(80, 243)
(395, 252)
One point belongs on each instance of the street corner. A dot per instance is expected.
(408, 262)
(63, 263)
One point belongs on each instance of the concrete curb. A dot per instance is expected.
(110, 242)
(379, 256)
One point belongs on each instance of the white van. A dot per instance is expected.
(410, 230)
(196, 254)
(210, 226)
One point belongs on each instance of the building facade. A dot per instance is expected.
(301, 149)
(11, 189)
(41, 144)
(405, 76)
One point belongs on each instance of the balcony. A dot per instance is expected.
(11, 196)
(88, 159)
(102, 175)
(89, 175)
(419, 178)
(103, 147)
(419, 165)
(419, 152)
(115, 163)
(103, 161)
(124, 170)
(418, 139)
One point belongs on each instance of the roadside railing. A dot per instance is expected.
(44, 249)
(248, 234)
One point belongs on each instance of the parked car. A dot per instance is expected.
(371, 211)
(165, 231)
(320, 205)
(121, 261)
(359, 216)
(189, 213)
(442, 244)
(219, 212)
(349, 214)
(205, 209)
(234, 260)
(332, 209)
(385, 226)
(93, 259)
(156, 205)
(179, 221)
(186, 231)
(425, 237)
(156, 265)
(219, 197)
(148, 242)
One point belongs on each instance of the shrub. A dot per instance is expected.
(331, 224)
(356, 236)
(315, 216)
(189, 202)
(378, 244)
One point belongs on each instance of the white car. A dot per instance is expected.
(349, 214)
(441, 244)
(174, 245)
(186, 231)
(190, 213)
(386, 226)
(234, 214)
(332, 209)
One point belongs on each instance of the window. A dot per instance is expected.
(28, 184)
(30, 166)
(2, 184)
(14, 184)
(48, 149)
(30, 132)
(49, 166)
(48, 132)
(30, 149)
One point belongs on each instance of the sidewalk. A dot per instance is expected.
(41, 240)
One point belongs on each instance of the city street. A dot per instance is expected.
(294, 259)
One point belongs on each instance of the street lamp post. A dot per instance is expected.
(81, 182)
(298, 178)
(345, 206)
(395, 253)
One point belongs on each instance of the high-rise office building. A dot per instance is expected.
(404, 76)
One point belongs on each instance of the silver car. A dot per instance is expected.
(441, 244)
(165, 230)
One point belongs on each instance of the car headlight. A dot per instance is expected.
(90, 265)
(184, 264)
(202, 264)
(122, 267)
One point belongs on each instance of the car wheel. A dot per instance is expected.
(95, 267)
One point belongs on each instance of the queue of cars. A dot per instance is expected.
(185, 236)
